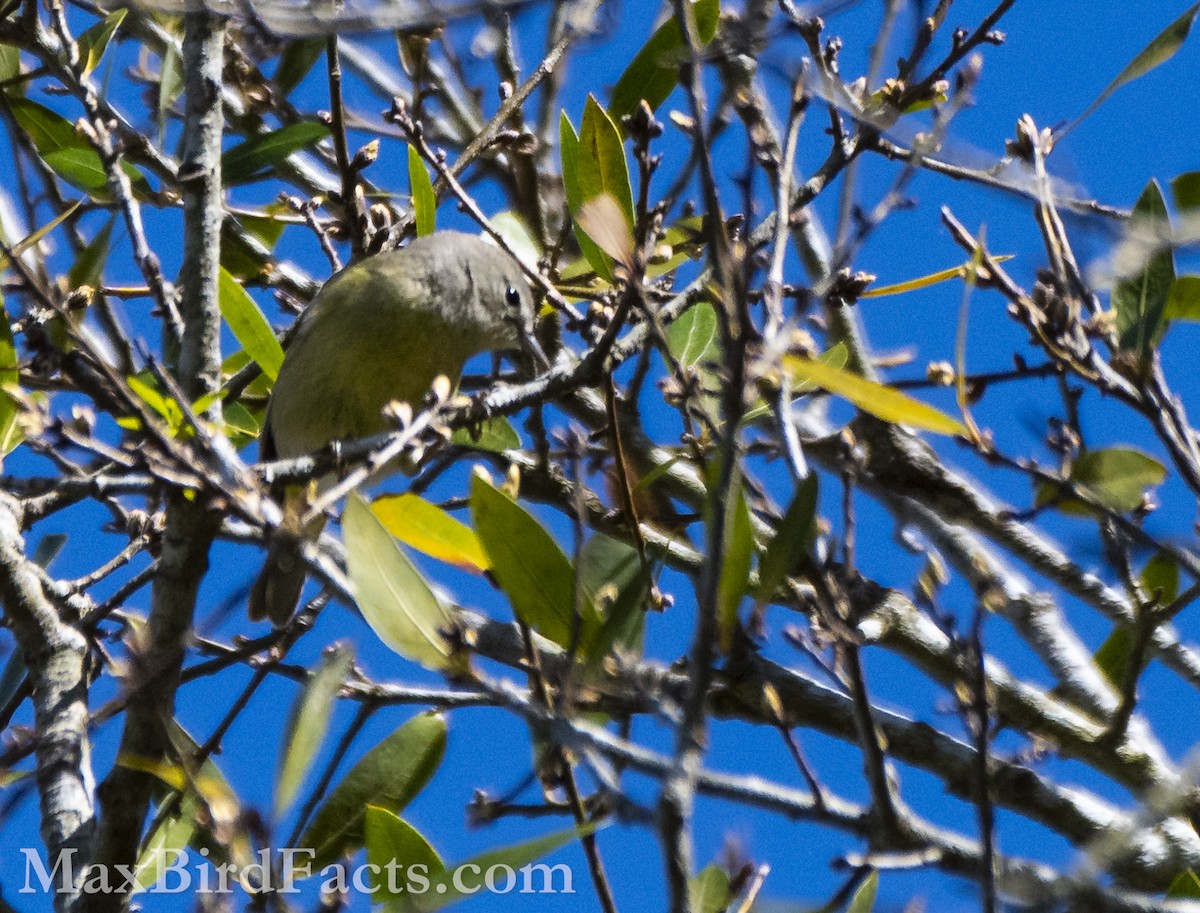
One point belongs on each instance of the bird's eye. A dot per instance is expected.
(512, 297)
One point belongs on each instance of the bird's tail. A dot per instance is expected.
(276, 592)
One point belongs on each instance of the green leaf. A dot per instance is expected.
(692, 338)
(1185, 886)
(1185, 188)
(602, 168)
(1159, 579)
(10, 412)
(735, 569)
(875, 399)
(1141, 300)
(295, 62)
(1159, 51)
(424, 200)
(395, 599)
(68, 154)
(88, 268)
(249, 326)
(447, 887)
(495, 435)
(612, 576)
(863, 900)
(1112, 658)
(791, 541)
(36, 236)
(1115, 478)
(653, 73)
(254, 158)
(94, 42)
(388, 776)
(390, 840)
(308, 722)
(10, 68)
(529, 566)
(711, 890)
(1183, 301)
(429, 529)
(568, 143)
(170, 85)
(166, 844)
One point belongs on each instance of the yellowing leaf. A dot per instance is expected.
(911, 285)
(429, 529)
(875, 399)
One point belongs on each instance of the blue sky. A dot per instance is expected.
(1057, 58)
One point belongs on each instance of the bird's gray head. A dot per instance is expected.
(481, 288)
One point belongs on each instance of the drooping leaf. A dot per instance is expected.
(529, 566)
(568, 144)
(249, 326)
(37, 235)
(390, 840)
(429, 529)
(254, 158)
(1161, 49)
(424, 200)
(1140, 300)
(875, 399)
(654, 71)
(94, 42)
(1116, 478)
(10, 376)
(308, 722)
(790, 542)
(495, 435)
(394, 597)
(388, 776)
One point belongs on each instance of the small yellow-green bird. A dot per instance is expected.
(380, 331)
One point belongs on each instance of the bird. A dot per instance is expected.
(379, 331)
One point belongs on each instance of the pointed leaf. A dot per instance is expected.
(170, 84)
(394, 598)
(529, 566)
(424, 200)
(10, 377)
(390, 840)
(1186, 886)
(654, 71)
(1164, 46)
(568, 143)
(1141, 300)
(88, 268)
(308, 722)
(448, 886)
(602, 168)
(863, 900)
(253, 159)
(875, 399)
(295, 62)
(429, 529)
(494, 435)
(1116, 478)
(249, 326)
(94, 42)
(692, 338)
(388, 776)
(912, 285)
(791, 541)
(735, 569)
